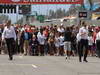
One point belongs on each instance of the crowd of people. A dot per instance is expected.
(53, 40)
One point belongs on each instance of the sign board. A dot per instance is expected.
(41, 1)
(84, 14)
(25, 9)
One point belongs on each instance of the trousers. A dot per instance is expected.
(83, 44)
(10, 46)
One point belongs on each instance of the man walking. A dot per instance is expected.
(9, 36)
(98, 43)
(83, 32)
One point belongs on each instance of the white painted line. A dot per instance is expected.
(34, 66)
(20, 57)
(11, 64)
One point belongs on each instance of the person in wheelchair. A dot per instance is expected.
(33, 43)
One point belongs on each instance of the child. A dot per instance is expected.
(61, 48)
(57, 43)
(90, 40)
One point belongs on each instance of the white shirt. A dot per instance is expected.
(9, 33)
(61, 30)
(0, 30)
(22, 29)
(41, 38)
(98, 36)
(61, 38)
(83, 33)
(57, 42)
(78, 37)
(90, 39)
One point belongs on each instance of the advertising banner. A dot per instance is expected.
(41, 1)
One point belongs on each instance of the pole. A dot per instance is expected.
(17, 14)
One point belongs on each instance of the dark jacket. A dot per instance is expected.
(33, 43)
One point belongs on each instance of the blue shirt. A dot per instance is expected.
(26, 35)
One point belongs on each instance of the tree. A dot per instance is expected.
(91, 4)
(20, 21)
(59, 13)
(3, 18)
(88, 2)
(51, 14)
(74, 8)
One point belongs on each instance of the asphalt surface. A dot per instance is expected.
(48, 65)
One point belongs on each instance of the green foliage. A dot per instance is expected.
(3, 18)
(41, 18)
(59, 13)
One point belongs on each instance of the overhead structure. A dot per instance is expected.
(7, 8)
(41, 1)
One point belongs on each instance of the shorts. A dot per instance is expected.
(67, 46)
(90, 47)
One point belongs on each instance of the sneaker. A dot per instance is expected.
(66, 57)
(25, 54)
(80, 61)
(85, 60)
(11, 58)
